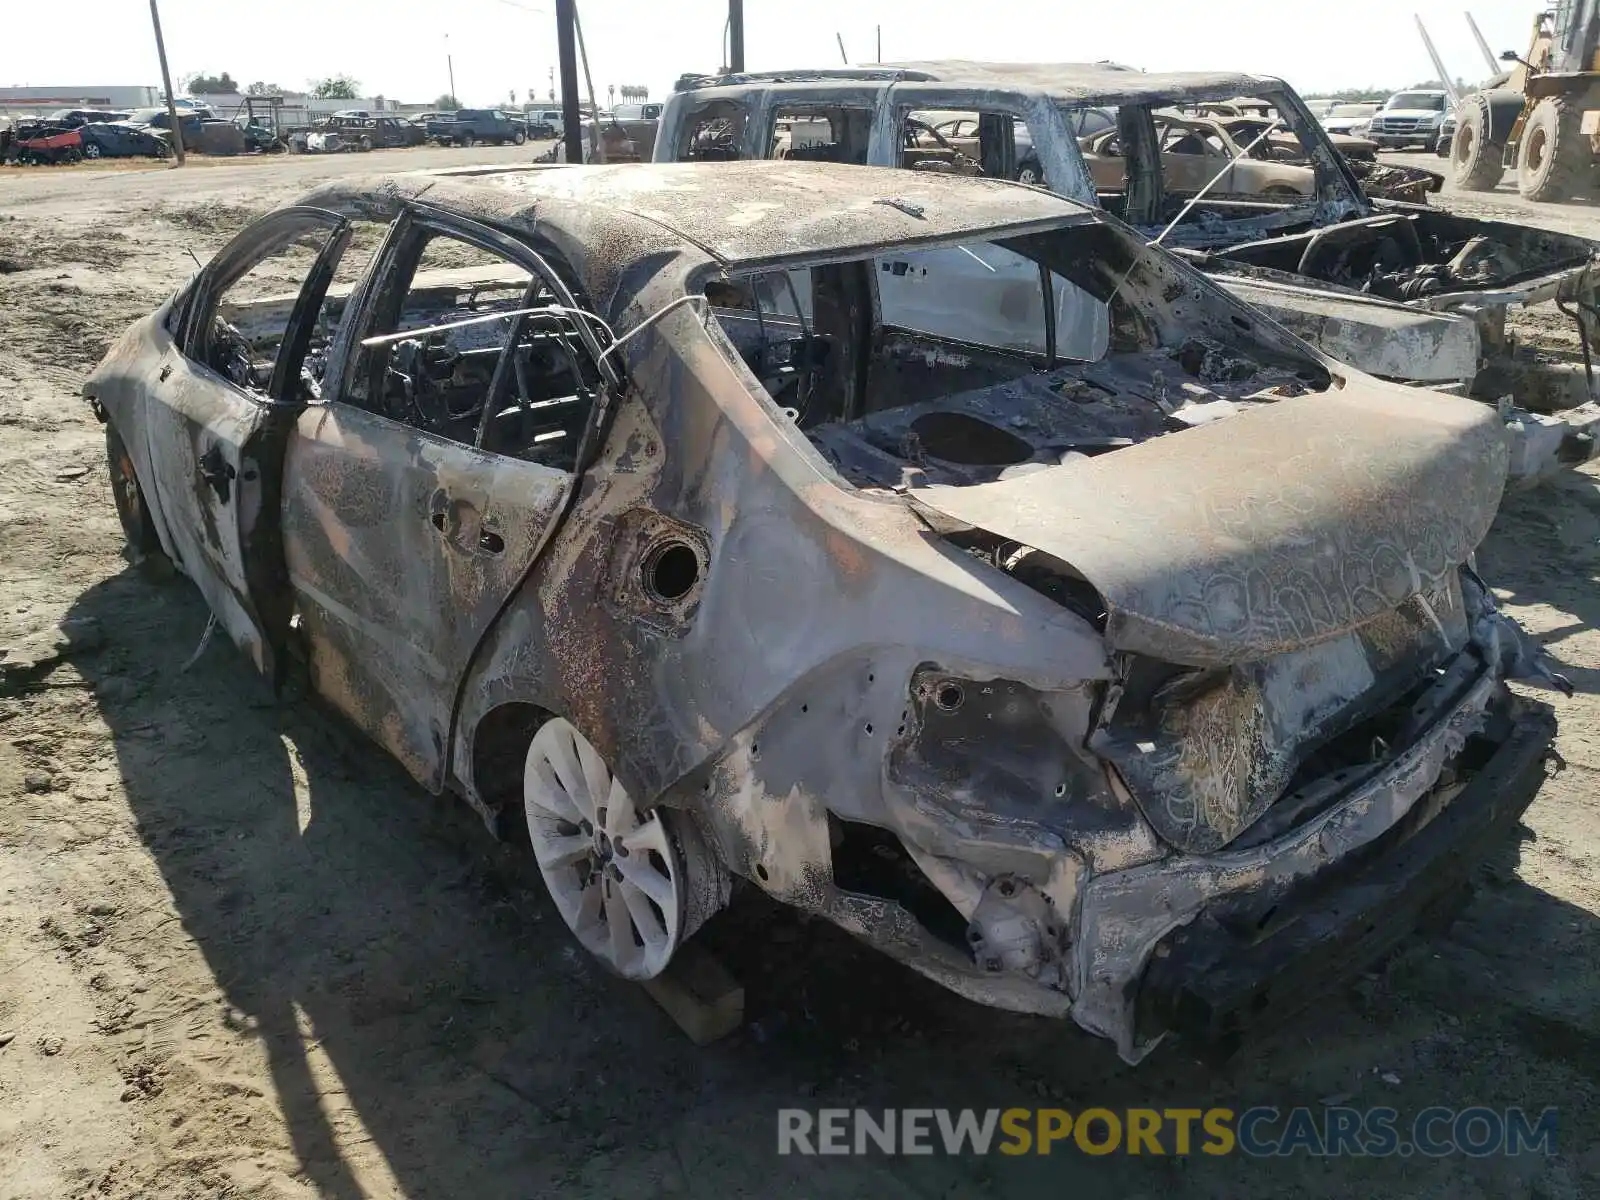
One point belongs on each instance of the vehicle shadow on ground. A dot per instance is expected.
(432, 1029)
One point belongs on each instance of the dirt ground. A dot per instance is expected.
(241, 954)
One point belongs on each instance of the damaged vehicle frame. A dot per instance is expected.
(1155, 689)
(1401, 291)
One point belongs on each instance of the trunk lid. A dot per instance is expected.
(1280, 528)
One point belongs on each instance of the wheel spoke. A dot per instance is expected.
(557, 850)
(645, 919)
(545, 792)
(650, 835)
(586, 921)
(562, 755)
(620, 928)
(640, 874)
(620, 816)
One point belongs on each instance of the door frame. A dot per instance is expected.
(380, 298)
(258, 458)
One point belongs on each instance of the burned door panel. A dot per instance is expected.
(401, 549)
(214, 471)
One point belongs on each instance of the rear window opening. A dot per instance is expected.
(968, 363)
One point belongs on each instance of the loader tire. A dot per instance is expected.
(1554, 159)
(1475, 157)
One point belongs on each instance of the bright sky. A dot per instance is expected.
(397, 48)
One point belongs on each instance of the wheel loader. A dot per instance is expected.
(1543, 121)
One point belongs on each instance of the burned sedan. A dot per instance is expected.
(1142, 678)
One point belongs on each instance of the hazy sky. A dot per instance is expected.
(397, 48)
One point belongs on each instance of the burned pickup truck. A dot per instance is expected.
(1400, 291)
(1150, 685)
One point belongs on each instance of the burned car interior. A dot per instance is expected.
(521, 386)
(889, 406)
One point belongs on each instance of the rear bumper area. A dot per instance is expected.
(1234, 968)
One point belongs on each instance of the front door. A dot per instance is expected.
(221, 398)
(419, 496)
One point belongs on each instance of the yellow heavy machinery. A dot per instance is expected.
(1544, 120)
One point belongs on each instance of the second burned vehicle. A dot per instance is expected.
(1145, 681)
(1404, 292)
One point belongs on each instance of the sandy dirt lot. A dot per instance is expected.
(241, 954)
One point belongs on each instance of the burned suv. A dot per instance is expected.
(1400, 291)
(1143, 679)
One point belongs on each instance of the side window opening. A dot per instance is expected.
(953, 317)
(820, 133)
(479, 369)
(713, 132)
(969, 142)
(244, 337)
(890, 408)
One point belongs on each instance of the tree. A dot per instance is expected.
(447, 101)
(336, 87)
(212, 85)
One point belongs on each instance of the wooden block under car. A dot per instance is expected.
(706, 1002)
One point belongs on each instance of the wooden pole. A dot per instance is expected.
(166, 82)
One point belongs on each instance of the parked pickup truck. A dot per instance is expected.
(472, 125)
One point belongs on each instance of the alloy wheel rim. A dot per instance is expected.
(615, 877)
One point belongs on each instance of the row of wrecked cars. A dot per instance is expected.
(1002, 572)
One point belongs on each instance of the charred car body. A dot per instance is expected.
(1405, 293)
(1153, 677)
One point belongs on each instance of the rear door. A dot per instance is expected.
(420, 494)
(221, 398)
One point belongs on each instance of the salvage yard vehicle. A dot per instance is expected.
(1410, 118)
(348, 133)
(1148, 683)
(1350, 119)
(1196, 151)
(472, 125)
(121, 139)
(44, 144)
(1401, 292)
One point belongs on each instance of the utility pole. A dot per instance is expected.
(450, 66)
(166, 82)
(735, 36)
(880, 44)
(567, 57)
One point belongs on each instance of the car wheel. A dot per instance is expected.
(1030, 173)
(466, 141)
(627, 883)
(365, 144)
(518, 138)
(91, 149)
(137, 527)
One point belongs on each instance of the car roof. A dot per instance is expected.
(610, 221)
(1077, 83)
